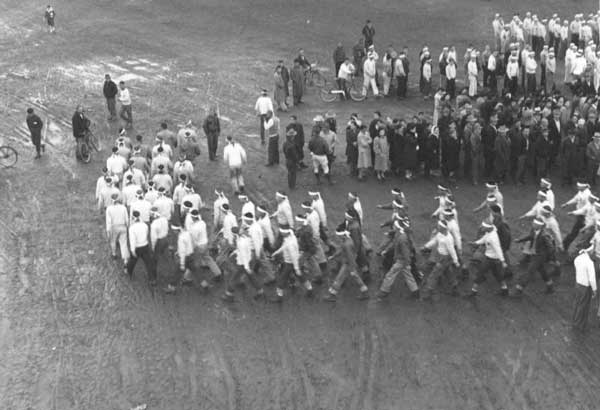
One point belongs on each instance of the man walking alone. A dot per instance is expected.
(110, 91)
(35, 125)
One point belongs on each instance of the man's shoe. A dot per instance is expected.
(276, 299)
(330, 297)
(503, 292)
(549, 289)
(363, 295)
(381, 295)
(170, 289)
(227, 298)
(415, 294)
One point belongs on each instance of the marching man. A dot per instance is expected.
(493, 259)
(117, 221)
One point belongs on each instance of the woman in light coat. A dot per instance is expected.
(364, 151)
(382, 154)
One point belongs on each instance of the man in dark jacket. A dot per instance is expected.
(543, 255)
(290, 152)
(501, 154)
(592, 154)
(35, 125)
(368, 32)
(80, 123)
(298, 139)
(569, 158)
(110, 91)
(358, 52)
(339, 56)
(285, 77)
(488, 140)
(543, 149)
(554, 134)
(519, 144)
(212, 129)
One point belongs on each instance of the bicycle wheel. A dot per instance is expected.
(8, 156)
(317, 79)
(326, 94)
(356, 93)
(84, 153)
(94, 142)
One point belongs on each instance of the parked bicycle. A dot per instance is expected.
(8, 156)
(313, 77)
(332, 91)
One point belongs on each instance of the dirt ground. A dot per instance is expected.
(76, 334)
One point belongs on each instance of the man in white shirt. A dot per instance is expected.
(163, 204)
(493, 259)
(272, 125)
(369, 73)
(512, 73)
(116, 228)
(493, 72)
(130, 190)
(263, 105)
(585, 289)
(344, 76)
(116, 164)
(444, 260)
(159, 230)
(580, 200)
(451, 78)
(234, 156)
(497, 26)
(162, 179)
(160, 159)
(140, 248)
(243, 259)
(141, 206)
(183, 166)
(290, 254)
(197, 228)
(151, 194)
(125, 100)
(530, 71)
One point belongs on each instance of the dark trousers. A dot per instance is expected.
(451, 87)
(300, 150)
(531, 87)
(535, 263)
(292, 169)
(493, 265)
(583, 302)
(285, 275)
(126, 114)
(543, 78)
(237, 275)
(273, 150)
(542, 166)
(337, 68)
(592, 169)
(493, 82)
(577, 226)
(262, 118)
(146, 256)
(36, 139)
(161, 246)
(489, 164)
(112, 107)
(402, 86)
(513, 85)
(212, 141)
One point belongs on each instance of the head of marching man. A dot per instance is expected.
(538, 225)
(280, 196)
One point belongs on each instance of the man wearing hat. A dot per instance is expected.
(369, 73)
(290, 254)
(290, 152)
(117, 220)
(347, 255)
(243, 259)
(546, 187)
(140, 248)
(298, 139)
(35, 125)
(592, 154)
(543, 254)
(443, 260)
(581, 202)
(585, 289)
(493, 259)
(263, 106)
(501, 154)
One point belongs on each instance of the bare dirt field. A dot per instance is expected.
(76, 334)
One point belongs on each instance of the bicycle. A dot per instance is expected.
(85, 145)
(354, 91)
(8, 156)
(312, 76)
